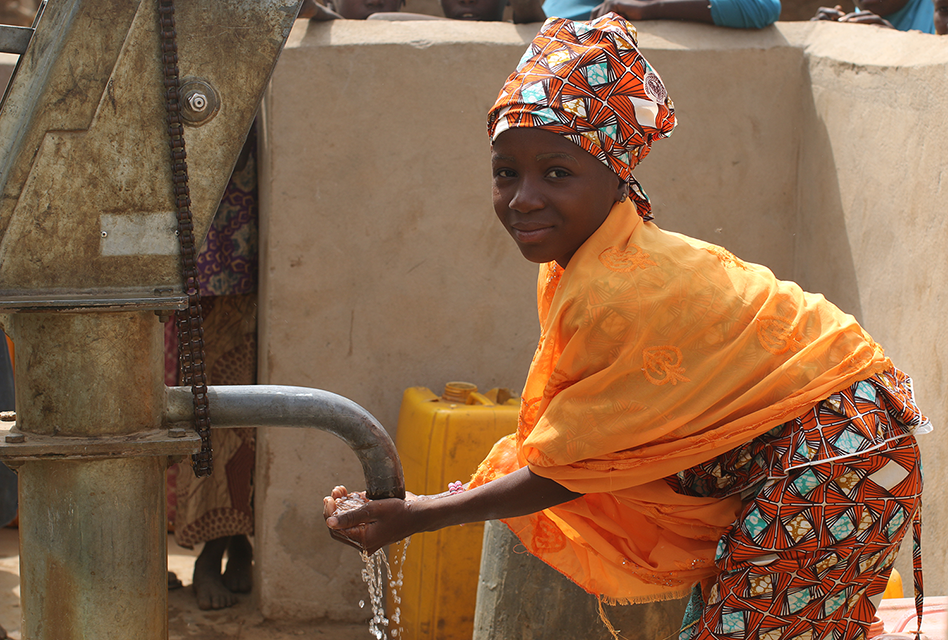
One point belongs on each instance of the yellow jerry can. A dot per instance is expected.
(441, 440)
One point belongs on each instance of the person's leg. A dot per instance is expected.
(209, 587)
(238, 576)
(213, 589)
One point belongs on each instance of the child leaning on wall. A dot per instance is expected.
(347, 9)
(689, 423)
(523, 11)
(904, 15)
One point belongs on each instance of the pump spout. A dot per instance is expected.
(280, 406)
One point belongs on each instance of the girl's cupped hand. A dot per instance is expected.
(371, 525)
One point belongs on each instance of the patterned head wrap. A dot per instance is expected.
(588, 82)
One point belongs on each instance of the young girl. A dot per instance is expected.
(689, 423)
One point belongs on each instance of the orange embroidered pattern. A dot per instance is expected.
(559, 380)
(663, 365)
(727, 258)
(625, 261)
(547, 537)
(777, 336)
(528, 417)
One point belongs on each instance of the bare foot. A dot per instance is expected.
(209, 588)
(174, 582)
(238, 576)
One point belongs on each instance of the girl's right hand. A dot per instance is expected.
(372, 526)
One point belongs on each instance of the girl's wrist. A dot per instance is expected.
(435, 513)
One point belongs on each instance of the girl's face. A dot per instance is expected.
(549, 193)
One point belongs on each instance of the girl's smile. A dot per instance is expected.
(549, 193)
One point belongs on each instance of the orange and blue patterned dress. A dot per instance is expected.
(827, 499)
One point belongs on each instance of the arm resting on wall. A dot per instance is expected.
(742, 14)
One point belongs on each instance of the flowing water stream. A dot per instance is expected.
(377, 569)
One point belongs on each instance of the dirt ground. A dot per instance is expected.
(185, 620)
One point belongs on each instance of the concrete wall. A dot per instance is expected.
(813, 148)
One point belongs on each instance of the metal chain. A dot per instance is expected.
(190, 329)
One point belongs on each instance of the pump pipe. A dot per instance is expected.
(284, 406)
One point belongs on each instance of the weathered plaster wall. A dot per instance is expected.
(813, 148)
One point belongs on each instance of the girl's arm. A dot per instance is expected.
(383, 522)
(635, 10)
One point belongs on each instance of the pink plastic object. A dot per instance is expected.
(899, 618)
(930, 613)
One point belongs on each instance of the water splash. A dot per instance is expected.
(373, 575)
(395, 588)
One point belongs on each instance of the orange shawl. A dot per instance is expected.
(658, 352)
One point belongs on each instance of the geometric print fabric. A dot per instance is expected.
(588, 82)
(812, 544)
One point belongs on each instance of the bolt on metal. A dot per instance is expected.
(197, 101)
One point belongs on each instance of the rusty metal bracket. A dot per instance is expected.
(161, 301)
(14, 39)
(18, 446)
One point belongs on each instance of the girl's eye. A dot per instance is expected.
(557, 173)
(504, 173)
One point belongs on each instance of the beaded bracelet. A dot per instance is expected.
(455, 487)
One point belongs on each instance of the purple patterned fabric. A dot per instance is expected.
(227, 263)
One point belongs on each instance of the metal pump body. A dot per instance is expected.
(89, 264)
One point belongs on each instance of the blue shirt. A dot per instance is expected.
(916, 14)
